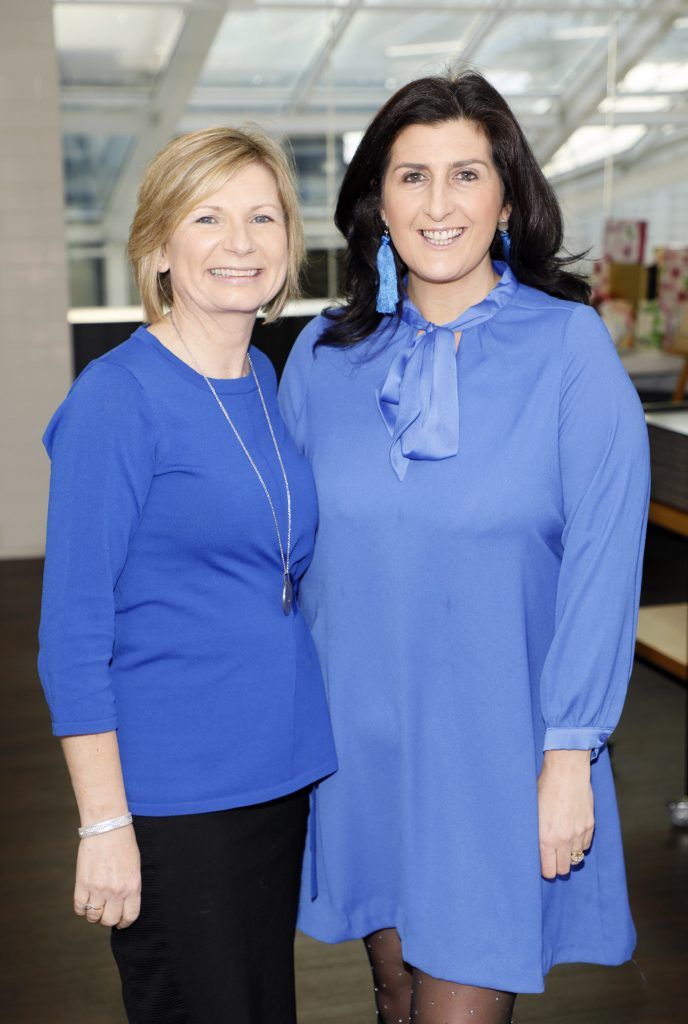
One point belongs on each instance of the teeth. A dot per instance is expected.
(443, 237)
(228, 272)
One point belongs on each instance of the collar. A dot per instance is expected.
(418, 399)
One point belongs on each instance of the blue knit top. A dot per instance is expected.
(162, 614)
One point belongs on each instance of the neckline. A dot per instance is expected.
(223, 385)
(496, 298)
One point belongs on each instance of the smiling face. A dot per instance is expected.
(442, 198)
(229, 253)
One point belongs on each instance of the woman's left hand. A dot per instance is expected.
(565, 809)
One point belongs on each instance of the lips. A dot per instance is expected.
(443, 236)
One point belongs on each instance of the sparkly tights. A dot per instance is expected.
(405, 995)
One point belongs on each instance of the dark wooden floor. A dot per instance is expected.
(54, 969)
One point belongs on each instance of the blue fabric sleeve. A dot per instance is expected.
(101, 443)
(604, 464)
(294, 382)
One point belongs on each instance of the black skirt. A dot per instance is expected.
(214, 943)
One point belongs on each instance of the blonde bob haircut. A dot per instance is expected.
(183, 174)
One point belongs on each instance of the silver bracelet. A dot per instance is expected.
(105, 826)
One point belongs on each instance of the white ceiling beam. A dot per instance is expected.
(654, 118)
(534, 6)
(166, 106)
(312, 72)
(318, 123)
(481, 28)
(103, 122)
(638, 32)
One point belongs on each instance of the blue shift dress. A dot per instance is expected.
(473, 598)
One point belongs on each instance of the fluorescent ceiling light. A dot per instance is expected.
(592, 143)
(424, 49)
(664, 76)
(510, 83)
(583, 32)
(541, 106)
(634, 104)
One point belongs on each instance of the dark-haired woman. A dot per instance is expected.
(481, 465)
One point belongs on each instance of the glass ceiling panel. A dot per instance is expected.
(263, 48)
(381, 50)
(665, 67)
(524, 53)
(593, 143)
(92, 164)
(114, 44)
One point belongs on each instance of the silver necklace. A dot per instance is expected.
(287, 582)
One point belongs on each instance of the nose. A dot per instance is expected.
(237, 239)
(440, 201)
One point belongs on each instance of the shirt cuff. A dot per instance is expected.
(84, 728)
(577, 739)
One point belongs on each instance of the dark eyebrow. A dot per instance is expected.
(456, 163)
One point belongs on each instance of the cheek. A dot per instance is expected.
(279, 251)
(399, 210)
(487, 209)
(188, 255)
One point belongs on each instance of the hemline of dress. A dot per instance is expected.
(226, 803)
(533, 983)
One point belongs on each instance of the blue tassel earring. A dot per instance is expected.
(506, 241)
(387, 292)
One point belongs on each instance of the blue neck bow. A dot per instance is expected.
(419, 398)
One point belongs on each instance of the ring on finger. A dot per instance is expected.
(92, 906)
(577, 856)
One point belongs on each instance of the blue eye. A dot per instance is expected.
(262, 218)
(206, 219)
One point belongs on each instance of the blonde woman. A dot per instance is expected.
(178, 669)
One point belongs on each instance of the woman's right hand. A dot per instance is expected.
(108, 876)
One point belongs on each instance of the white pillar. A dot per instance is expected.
(35, 351)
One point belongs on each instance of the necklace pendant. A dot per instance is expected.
(287, 593)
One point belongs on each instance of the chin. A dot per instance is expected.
(441, 275)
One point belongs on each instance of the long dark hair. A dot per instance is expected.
(535, 225)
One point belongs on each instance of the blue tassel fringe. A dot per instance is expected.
(506, 245)
(387, 292)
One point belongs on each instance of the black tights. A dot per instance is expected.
(405, 995)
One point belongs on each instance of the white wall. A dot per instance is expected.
(35, 359)
(654, 189)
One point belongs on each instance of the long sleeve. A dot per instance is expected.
(101, 443)
(604, 464)
(293, 387)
